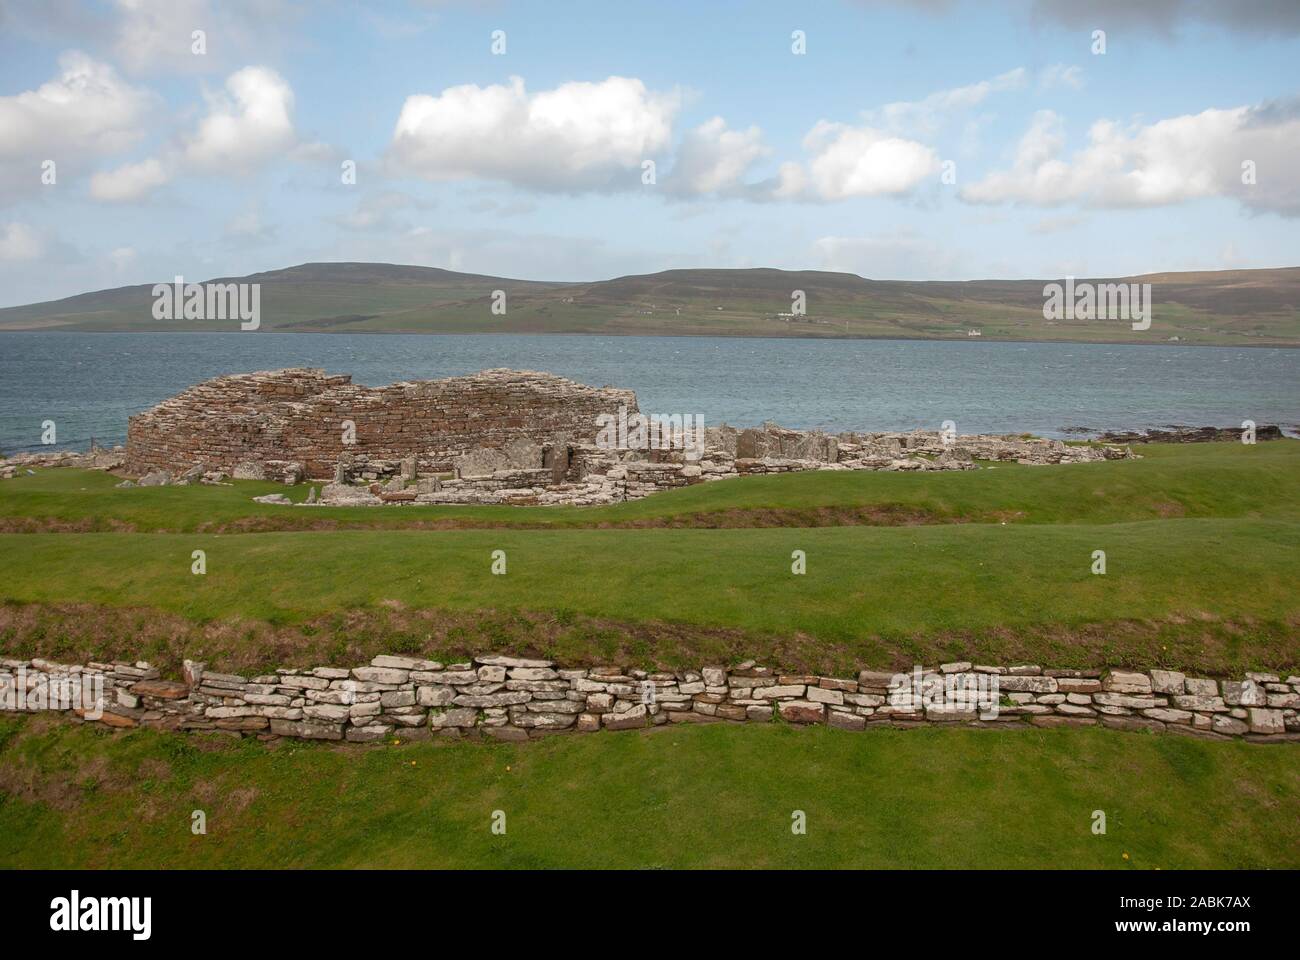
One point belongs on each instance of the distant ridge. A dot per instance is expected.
(1236, 307)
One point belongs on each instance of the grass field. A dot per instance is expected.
(992, 565)
(713, 796)
(1208, 586)
(1187, 480)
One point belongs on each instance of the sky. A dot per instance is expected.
(572, 140)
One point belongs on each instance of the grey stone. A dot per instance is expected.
(1244, 693)
(1168, 681)
(456, 717)
(434, 696)
(381, 675)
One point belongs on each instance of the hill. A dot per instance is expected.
(1233, 307)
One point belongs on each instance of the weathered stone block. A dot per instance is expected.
(1262, 720)
(456, 717)
(1123, 681)
(802, 711)
(1244, 693)
(1168, 681)
(386, 675)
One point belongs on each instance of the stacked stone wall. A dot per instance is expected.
(300, 416)
(515, 698)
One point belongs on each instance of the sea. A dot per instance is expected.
(88, 384)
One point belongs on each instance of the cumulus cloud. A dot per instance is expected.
(248, 123)
(712, 159)
(129, 182)
(18, 241)
(886, 154)
(1170, 161)
(856, 162)
(578, 136)
(85, 112)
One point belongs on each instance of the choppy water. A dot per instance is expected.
(88, 384)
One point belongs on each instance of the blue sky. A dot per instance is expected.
(530, 163)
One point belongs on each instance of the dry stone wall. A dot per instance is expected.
(297, 416)
(516, 698)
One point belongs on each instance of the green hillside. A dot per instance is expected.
(1237, 307)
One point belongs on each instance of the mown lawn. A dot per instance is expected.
(710, 796)
(1180, 480)
(1209, 586)
(888, 583)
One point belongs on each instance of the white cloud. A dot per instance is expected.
(578, 136)
(87, 111)
(129, 182)
(1170, 161)
(856, 162)
(249, 123)
(714, 159)
(18, 241)
(885, 155)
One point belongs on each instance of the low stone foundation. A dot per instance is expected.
(515, 698)
(504, 437)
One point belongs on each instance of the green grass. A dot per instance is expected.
(383, 298)
(1209, 588)
(888, 594)
(1202, 567)
(1178, 480)
(705, 796)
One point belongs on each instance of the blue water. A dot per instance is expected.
(88, 384)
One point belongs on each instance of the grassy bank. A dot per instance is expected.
(1179, 480)
(1199, 542)
(715, 796)
(884, 591)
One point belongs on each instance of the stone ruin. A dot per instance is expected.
(300, 424)
(500, 436)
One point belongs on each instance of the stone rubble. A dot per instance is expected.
(98, 458)
(528, 473)
(516, 698)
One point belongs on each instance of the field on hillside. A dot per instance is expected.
(713, 796)
(991, 565)
(1230, 307)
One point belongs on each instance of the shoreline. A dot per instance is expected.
(656, 336)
